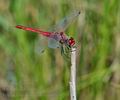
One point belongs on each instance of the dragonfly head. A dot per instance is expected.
(71, 42)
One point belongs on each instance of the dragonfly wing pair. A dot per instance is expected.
(61, 27)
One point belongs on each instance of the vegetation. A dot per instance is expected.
(25, 75)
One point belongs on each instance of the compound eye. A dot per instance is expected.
(71, 41)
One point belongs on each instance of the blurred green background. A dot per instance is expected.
(27, 76)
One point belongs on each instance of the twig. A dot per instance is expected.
(73, 74)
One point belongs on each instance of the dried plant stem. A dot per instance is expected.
(73, 74)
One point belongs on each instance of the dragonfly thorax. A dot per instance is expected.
(63, 39)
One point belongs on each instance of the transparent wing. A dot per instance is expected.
(52, 43)
(64, 23)
(40, 45)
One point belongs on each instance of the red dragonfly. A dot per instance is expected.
(57, 37)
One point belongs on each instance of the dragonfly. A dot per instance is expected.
(56, 37)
